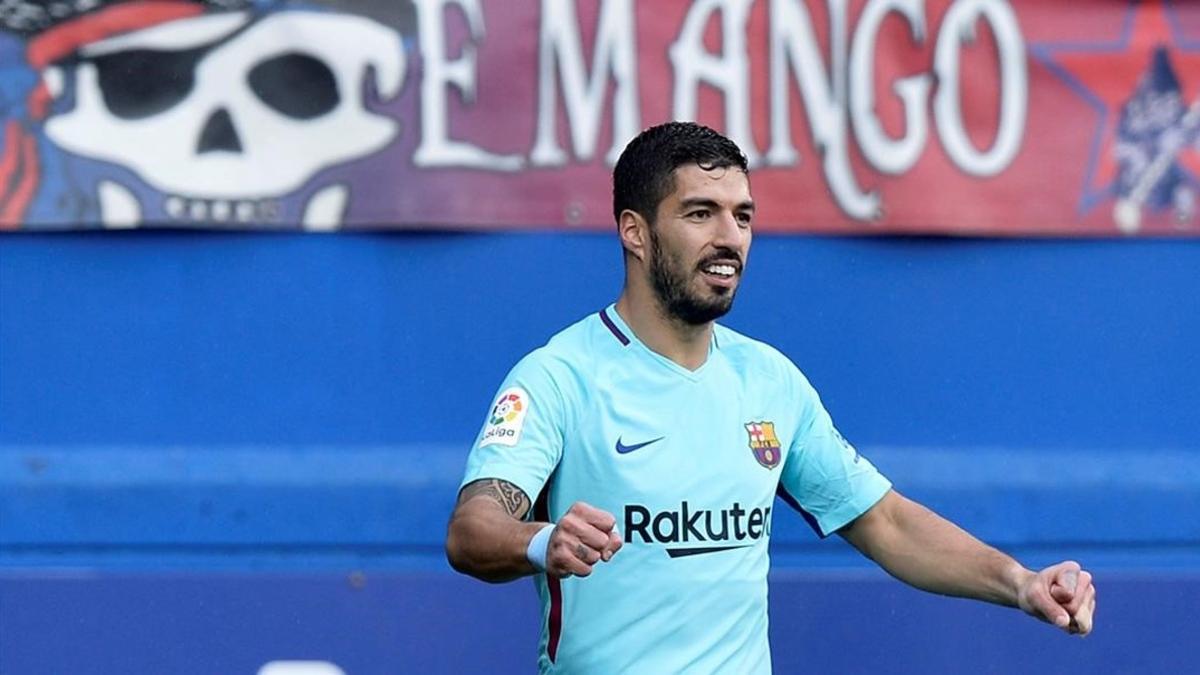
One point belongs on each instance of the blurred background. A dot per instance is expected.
(268, 261)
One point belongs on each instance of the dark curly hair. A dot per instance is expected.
(644, 174)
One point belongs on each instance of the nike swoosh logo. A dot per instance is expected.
(624, 449)
(681, 552)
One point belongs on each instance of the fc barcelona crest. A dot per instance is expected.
(764, 443)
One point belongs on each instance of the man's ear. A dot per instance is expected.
(634, 232)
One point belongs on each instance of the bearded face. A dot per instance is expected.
(680, 288)
(698, 243)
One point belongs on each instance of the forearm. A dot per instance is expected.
(488, 543)
(929, 552)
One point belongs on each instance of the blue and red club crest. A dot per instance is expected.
(764, 443)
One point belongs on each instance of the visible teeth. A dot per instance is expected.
(723, 270)
(193, 210)
(221, 210)
(245, 211)
(198, 210)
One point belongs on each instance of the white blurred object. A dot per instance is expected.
(300, 668)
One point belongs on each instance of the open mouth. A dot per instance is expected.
(721, 273)
(721, 270)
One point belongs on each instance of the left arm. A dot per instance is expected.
(929, 552)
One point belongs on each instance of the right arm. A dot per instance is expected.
(488, 539)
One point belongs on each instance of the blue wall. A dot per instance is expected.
(268, 404)
(384, 624)
(219, 339)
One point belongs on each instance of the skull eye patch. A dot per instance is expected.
(296, 85)
(138, 83)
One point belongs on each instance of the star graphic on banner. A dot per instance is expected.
(1147, 59)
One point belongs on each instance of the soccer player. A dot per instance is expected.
(632, 463)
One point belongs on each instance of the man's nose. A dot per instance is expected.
(729, 232)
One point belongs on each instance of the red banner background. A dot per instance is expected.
(1039, 117)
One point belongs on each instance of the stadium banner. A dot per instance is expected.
(970, 117)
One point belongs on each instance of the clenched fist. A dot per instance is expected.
(584, 536)
(1063, 595)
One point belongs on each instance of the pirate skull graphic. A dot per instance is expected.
(225, 117)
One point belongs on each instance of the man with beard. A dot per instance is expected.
(655, 442)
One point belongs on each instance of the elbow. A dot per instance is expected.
(470, 550)
(455, 551)
(460, 557)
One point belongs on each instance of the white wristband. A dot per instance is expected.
(536, 553)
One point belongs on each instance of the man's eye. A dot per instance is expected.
(744, 218)
(699, 214)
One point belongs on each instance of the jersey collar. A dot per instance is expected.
(620, 330)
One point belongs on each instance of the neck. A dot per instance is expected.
(683, 343)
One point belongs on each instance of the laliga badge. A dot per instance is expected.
(506, 419)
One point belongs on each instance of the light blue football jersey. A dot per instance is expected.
(689, 463)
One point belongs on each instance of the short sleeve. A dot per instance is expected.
(824, 476)
(522, 436)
